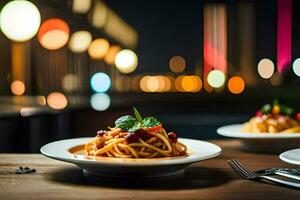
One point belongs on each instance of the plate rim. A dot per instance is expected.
(283, 158)
(183, 161)
(225, 133)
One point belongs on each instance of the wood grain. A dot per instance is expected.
(211, 179)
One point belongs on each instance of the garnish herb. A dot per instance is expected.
(150, 122)
(266, 109)
(137, 115)
(126, 122)
(283, 109)
(131, 124)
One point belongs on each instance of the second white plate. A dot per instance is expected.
(261, 142)
(235, 131)
(291, 156)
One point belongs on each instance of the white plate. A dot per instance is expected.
(291, 156)
(199, 150)
(235, 131)
(261, 142)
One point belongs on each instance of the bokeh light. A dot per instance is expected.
(157, 83)
(27, 111)
(187, 84)
(126, 61)
(20, 20)
(111, 54)
(167, 84)
(98, 48)
(54, 33)
(162, 83)
(216, 78)
(57, 100)
(296, 67)
(70, 82)
(191, 83)
(152, 84)
(265, 68)
(197, 83)
(99, 15)
(236, 84)
(178, 85)
(17, 87)
(100, 101)
(100, 82)
(143, 83)
(177, 64)
(41, 100)
(81, 6)
(80, 41)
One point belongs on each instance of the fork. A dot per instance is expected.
(248, 175)
(286, 172)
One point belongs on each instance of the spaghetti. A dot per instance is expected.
(139, 144)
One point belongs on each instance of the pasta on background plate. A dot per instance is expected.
(274, 118)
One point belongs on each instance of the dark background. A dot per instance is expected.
(166, 28)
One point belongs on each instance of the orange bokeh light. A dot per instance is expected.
(54, 33)
(98, 48)
(178, 85)
(17, 88)
(111, 54)
(143, 83)
(57, 100)
(190, 83)
(167, 84)
(187, 84)
(158, 83)
(236, 84)
(153, 84)
(197, 83)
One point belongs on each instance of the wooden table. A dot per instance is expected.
(212, 179)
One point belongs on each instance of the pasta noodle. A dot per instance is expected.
(141, 144)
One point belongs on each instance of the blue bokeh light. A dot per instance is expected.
(100, 101)
(100, 82)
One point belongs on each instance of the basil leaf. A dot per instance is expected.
(266, 109)
(150, 122)
(137, 115)
(135, 127)
(126, 122)
(286, 110)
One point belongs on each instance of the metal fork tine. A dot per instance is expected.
(245, 170)
(249, 174)
(238, 170)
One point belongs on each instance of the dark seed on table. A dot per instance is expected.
(25, 170)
